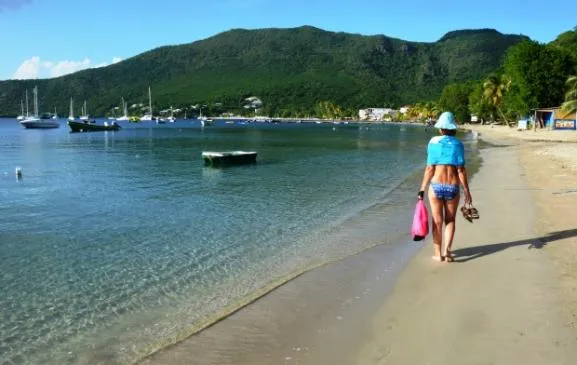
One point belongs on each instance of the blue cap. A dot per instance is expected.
(446, 121)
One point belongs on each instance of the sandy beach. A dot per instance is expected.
(511, 295)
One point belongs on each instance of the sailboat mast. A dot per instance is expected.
(36, 101)
(149, 102)
(27, 113)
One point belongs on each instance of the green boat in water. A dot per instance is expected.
(91, 126)
(228, 158)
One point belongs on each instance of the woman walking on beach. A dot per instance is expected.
(445, 172)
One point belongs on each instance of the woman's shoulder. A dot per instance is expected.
(436, 139)
(445, 140)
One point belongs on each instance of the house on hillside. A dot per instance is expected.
(554, 119)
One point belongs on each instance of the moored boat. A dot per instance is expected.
(84, 114)
(124, 116)
(87, 126)
(229, 158)
(21, 116)
(148, 116)
(34, 122)
(204, 121)
(37, 123)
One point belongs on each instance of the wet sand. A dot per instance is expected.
(320, 317)
(510, 297)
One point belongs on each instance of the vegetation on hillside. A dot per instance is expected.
(568, 42)
(570, 104)
(532, 75)
(295, 72)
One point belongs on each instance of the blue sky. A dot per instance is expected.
(44, 38)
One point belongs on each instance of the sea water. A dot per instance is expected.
(114, 245)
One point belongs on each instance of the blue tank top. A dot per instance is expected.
(445, 150)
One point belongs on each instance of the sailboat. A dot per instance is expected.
(170, 118)
(71, 112)
(21, 116)
(148, 116)
(204, 121)
(34, 121)
(125, 110)
(84, 115)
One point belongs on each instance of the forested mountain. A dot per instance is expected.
(290, 70)
(568, 41)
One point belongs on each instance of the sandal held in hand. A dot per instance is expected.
(469, 212)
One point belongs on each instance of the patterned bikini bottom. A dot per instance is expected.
(445, 191)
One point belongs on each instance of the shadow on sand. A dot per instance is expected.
(471, 253)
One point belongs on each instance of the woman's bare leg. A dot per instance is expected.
(437, 206)
(451, 207)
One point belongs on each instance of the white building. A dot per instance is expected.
(377, 114)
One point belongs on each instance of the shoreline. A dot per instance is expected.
(511, 295)
(300, 319)
(210, 344)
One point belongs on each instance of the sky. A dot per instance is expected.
(50, 38)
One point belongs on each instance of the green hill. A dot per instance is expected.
(291, 70)
(567, 41)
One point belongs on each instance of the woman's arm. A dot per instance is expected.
(427, 176)
(462, 172)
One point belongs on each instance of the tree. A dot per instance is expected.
(455, 98)
(494, 90)
(567, 41)
(329, 110)
(431, 110)
(570, 104)
(479, 105)
(416, 112)
(538, 73)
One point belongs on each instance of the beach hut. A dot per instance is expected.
(554, 119)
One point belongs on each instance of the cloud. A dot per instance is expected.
(12, 4)
(34, 67)
(68, 67)
(29, 69)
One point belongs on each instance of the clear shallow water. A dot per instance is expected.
(115, 244)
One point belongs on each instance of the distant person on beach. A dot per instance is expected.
(446, 173)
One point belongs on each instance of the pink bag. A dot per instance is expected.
(420, 227)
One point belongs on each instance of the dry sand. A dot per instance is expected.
(511, 295)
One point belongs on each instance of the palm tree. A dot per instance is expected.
(494, 89)
(416, 111)
(570, 104)
(433, 110)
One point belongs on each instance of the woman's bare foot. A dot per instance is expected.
(449, 256)
(437, 258)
